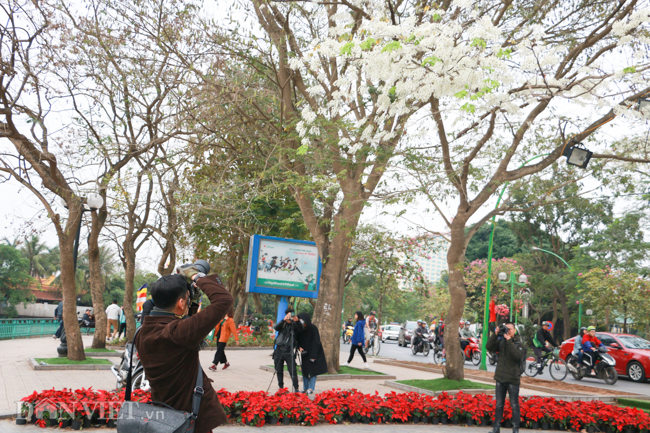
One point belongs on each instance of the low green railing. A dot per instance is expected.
(25, 328)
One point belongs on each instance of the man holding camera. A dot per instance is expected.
(169, 340)
(511, 352)
(285, 344)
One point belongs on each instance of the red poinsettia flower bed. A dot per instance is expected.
(336, 406)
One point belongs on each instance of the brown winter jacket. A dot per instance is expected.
(168, 348)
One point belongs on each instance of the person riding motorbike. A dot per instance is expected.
(371, 326)
(418, 332)
(590, 344)
(578, 351)
(542, 337)
(465, 335)
(348, 323)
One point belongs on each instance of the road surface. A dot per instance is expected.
(390, 349)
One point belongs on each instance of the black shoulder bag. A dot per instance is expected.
(157, 417)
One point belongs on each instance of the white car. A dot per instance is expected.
(389, 332)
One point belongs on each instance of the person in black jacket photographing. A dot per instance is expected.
(507, 376)
(285, 344)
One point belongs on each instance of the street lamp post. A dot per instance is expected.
(93, 202)
(486, 310)
(577, 282)
(523, 280)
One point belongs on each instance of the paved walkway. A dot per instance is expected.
(17, 379)
(11, 427)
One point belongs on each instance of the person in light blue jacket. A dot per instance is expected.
(577, 345)
(358, 339)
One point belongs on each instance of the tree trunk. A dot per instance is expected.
(327, 315)
(455, 369)
(566, 317)
(257, 300)
(129, 276)
(239, 312)
(96, 282)
(66, 245)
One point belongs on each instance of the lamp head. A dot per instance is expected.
(94, 201)
(503, 276)
(578, 156)
(523, 278)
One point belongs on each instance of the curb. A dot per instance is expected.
(409, 388)
(104, 355)
(342, 376)
(7, 415)
(37, 367)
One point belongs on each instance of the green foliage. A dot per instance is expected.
(14, 279)
(391, 46)
(346, 50)
(506, 243)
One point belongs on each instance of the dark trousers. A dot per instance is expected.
(539, 352)
(280, 357)
(122, 328)
(463, 344)
(500, 396)
(357, 347)
(220, 356)
(57, 334)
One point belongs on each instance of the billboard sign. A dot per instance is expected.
(285, 267)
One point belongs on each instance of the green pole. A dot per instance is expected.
(512, 291)
(486, 311)
(579, 314)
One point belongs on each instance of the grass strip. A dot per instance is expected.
(91, 350)
(632, 402)
(444, 384)
(346, 370)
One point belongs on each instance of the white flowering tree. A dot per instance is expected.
(493, 84)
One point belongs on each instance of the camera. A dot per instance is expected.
(502, 330)
(201, 267)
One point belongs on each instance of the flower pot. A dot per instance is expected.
(485, 421)
(86, 422)
(455, 421)
(416, 419)
(562, 427)
(629, 430)
(76, 424)
(444, 419)
(365, 420)
(99, 422)
(51, 422)
(507, 423)
(273, 420)
(534, 425)
(354, 419)
(286, 421)
(110, 423)
(33, 419)
(591, 429)
(435, 420)
(470, 421)
(546, 426)
(21, 421)
(66, 423)
(424, 420)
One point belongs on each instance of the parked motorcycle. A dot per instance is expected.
(138, 379)
(493, 357)
(473, 351)
(604, 368)
(423, 347)
(347, 335)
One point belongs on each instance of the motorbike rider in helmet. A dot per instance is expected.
(465, 334)
(577, 345)
(418, 332)
(590, 344)
(542, 337)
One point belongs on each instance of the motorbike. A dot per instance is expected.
(604, 367)
(347, 335)
(138, 378)
(424, 346)
(438, 352)
(473, 351)
(493, 357)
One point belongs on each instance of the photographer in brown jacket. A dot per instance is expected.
(169, 341)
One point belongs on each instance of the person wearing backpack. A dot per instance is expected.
(512, 355)
(542, 336)
(285, 342)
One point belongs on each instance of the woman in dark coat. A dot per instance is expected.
(313, 356)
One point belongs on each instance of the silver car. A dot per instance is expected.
(389, 332)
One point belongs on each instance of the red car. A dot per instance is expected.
(632, 353)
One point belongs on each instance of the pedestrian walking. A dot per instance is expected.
(222, 333)
(312, 353)
(358, 338)
(112, 318)
(58, 314)
(122, 324)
